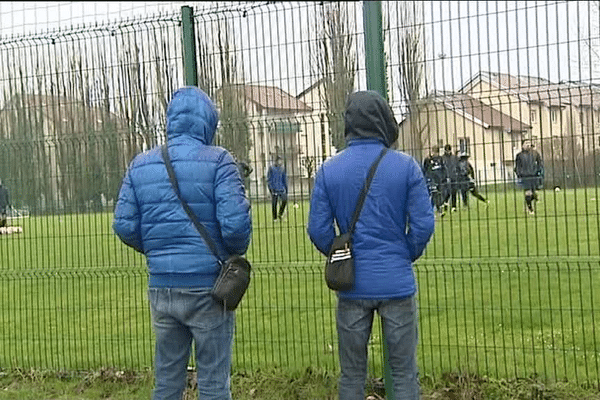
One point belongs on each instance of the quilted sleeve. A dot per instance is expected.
(127, 220)
(421, 219)
(321, 228)
(232, 207)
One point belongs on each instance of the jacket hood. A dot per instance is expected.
(191, 112)
(368, 115)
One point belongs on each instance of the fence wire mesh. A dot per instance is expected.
(503, 292)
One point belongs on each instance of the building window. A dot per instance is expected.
(463, 145)
(532, 117)
(581, 117)
(553, 116)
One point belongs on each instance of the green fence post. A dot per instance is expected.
(374, 51)
(189, 46)
(376, 80)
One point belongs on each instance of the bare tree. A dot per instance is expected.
(93, 144)
(310, 165)
(83, 111)
(221, 76)
(594, 44)
(234, 134)
(411, 66)
(23, 149)
(591, 40)
(207, 75)
(134, 91)
(566, 164)
(335, 63)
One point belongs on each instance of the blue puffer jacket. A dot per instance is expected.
(277, 179)
(396, 221)
(149, 216)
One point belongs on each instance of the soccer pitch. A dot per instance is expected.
(501, 293)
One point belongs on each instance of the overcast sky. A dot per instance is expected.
(36, 16)
(546, 39)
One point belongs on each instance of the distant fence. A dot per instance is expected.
(501, 293)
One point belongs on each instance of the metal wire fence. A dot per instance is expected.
(502, 292)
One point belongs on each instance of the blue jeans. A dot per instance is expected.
(180, 315)
(354, 323)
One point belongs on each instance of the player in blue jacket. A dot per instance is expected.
(278, 187)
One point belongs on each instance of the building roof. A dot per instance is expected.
(273, 98)
(539, 90)
(311, 87)
(477, 111)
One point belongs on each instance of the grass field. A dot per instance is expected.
(501, 293)
(274, 385)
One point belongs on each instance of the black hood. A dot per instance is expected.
(369, 116)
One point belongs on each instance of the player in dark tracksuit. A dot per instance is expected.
(277, 184)
(450, 187)
(466, 180)
(4, 203)
(529, 168)
(435, 176)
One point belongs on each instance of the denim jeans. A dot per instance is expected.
(354, 323)
(180, 315)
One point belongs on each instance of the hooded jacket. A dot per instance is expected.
(396, 221)
(450, 161)
(528, 163)
(277, 179)
(149, 216)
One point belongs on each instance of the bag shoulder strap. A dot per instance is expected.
(201, 229)
(365, 190)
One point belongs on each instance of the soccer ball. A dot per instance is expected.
(296, 205)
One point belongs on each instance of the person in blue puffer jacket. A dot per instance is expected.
(277, 184)
(392, 232)
(182, 270)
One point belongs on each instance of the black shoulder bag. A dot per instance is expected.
(234, 277)
(339, 267)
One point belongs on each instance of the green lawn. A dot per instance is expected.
(501, 294)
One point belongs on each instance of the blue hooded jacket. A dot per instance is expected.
(396, 221)
(149, 216)
(277, 179)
